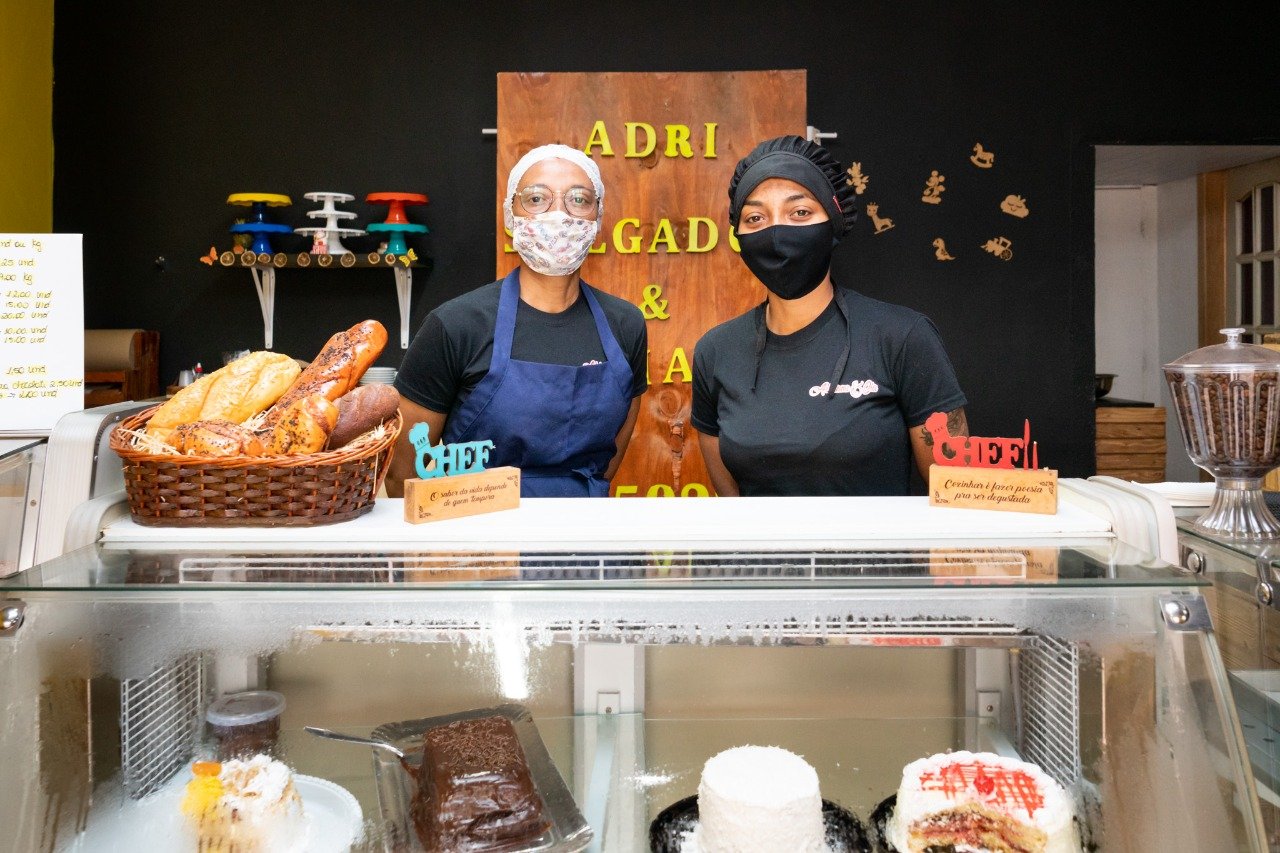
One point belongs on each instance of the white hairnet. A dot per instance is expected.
(551, 152)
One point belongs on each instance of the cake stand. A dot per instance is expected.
(396, 224)
(264, 279)
(327, 239)
(258, 225)
(395, 227)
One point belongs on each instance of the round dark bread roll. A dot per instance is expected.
(362, 409)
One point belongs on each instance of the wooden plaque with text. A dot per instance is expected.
(666, 144)
(1001, 489)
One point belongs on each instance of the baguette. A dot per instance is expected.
(337, 369)
(234, 393)
(304, 427)
(361, 410)
(216, 438)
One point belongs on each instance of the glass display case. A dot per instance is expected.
(636, 665)
(21, 467)
(1244, 601)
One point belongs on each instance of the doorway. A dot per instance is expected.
(1160, 217)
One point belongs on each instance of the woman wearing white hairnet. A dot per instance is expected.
(542, 364)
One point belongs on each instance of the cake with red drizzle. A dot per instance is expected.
(475, 791)
(978, 802)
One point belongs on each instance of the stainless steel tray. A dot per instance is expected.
(569, 830)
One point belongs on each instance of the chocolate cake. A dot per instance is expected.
(474, 788)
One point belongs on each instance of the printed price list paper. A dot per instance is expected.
(41, 330)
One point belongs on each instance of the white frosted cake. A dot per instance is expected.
(758, 799)
(978, 802)
(245, 807)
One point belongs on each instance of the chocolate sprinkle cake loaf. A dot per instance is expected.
(474, 788)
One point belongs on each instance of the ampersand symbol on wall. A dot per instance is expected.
(654, 308)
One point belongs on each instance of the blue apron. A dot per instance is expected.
(557, 423)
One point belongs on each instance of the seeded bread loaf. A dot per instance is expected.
(235, 393)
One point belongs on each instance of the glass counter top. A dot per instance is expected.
(1038, 564)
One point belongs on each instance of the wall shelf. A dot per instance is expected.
(263, 267)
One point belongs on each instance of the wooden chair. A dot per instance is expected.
(119, 365)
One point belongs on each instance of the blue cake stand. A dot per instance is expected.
(260, 230)
(395, 232)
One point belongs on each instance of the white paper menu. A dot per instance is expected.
(41, 330)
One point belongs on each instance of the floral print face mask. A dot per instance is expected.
(553, 243)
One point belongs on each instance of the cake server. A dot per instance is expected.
(332, 735)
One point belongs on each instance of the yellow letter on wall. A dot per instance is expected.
(632, 244)
(678, 139)
(713, 234)
(651, 139)
(709, 151)
(679, 364)
(599, 137)
(664, 234)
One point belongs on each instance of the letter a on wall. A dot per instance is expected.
(666, 144)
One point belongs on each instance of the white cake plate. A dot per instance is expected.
(333, 236)
(118, 824)
(329, 197)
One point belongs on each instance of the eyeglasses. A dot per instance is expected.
(578, 201)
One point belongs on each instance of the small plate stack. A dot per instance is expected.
(378, 376)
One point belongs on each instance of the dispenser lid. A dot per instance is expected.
(1232, 354)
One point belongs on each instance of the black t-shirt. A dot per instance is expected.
(451, 352)
(792, 436)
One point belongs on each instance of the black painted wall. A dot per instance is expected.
(160, 110)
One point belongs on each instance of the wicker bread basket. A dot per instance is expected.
(168, 490)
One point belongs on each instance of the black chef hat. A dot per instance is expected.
(809, 165)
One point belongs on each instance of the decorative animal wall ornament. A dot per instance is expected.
(882, 224)
(981, 157)
(933, 188)
(857, 180)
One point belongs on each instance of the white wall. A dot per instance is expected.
(1146, 299)
(1127, 322)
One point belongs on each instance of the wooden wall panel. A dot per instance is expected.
(1212, 234)
(700, 289)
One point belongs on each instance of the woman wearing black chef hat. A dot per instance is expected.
(819, 390)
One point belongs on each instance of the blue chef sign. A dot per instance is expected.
(464, 457)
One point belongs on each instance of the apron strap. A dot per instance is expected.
(504, 329)
(608, 342)
(504, 332)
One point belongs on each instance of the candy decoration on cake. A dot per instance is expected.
(396, 224)
(258, 225)
(327, 239)
(980, 802)
(758, 798)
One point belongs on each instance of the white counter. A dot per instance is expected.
(649, 523)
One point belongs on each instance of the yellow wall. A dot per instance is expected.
(26, 116)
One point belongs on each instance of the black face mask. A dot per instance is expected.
(790, 260)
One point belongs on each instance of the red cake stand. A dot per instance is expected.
(396, 226)
(396, 203)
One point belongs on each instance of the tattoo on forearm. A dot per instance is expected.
(957, 423)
